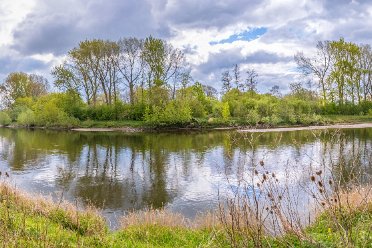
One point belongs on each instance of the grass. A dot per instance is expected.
(348, 118)
(36, 222)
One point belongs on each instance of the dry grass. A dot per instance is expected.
(166, 218)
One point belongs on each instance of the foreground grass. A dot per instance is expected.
(37, 222)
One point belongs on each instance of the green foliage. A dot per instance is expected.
(4, 119)
(48, 112)
(225, 111)
(26, 118)
(174, 113)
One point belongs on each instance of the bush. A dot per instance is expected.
(5, 119)
(174, 113)
(253, 117)
(27, 118)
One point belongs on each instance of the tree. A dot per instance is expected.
(319, 65)
(226, 81)
(236, 74)
(251, 80)
(366, 71)
(274, 91)
(20, 85)
(131, 63)
(346, 72)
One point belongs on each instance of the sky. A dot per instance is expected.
(264, 35)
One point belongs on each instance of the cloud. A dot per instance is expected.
(57, 26)
(214, 34)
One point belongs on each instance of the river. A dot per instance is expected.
(186, 172)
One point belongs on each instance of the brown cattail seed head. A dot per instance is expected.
(273, 175)
(312, 178)
(262, 163)
(319, 172)
(323, 204)
(264, 177)
(320, 184)
(330, 182)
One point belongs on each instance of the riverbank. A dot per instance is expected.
(29, 221)
(329, 121)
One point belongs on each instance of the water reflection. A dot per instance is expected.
(182, 171)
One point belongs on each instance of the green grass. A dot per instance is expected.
(36, 222)
(111, 124)
(349, 118)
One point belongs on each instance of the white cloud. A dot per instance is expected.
(44, 30)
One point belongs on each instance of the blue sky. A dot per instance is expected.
(247, 35)
(214, 34)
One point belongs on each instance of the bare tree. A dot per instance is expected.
(131, 63)
(226, 81)
(251, 80)
(236, 74)
(318, 66)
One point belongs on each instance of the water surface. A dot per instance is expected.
(185, 172)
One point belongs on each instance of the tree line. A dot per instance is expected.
(149, 80)
(343, 71)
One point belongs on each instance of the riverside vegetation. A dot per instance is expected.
(135, 82)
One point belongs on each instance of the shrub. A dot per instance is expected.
(174, 113)
(4, 119)
(253, 117)
(26, 118)
(225, 111)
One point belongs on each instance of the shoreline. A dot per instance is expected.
(289, 129)
(240, 129)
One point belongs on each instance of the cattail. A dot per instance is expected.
(267, 172)
(262, 163)
(264, 177)
(273, 175)
(335, 200)
(320, 190)
(312, 178)
(330, 182)
(319, 172)
(320, 184)
(256, 172)
(323, 204)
